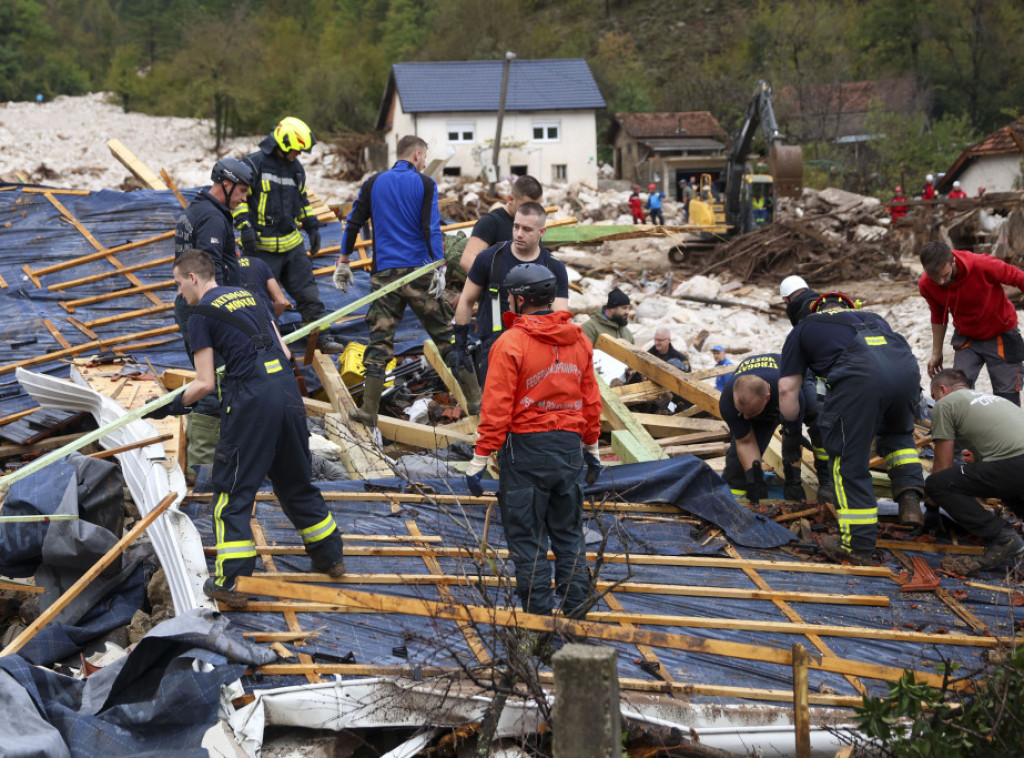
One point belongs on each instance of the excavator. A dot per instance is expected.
(742, 201)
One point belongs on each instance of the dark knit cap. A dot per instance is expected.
(616, 298)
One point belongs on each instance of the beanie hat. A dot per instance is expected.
(616, 298)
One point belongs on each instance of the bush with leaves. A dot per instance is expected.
(918, 721)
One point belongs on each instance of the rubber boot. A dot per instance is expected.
(367, 413)
(910, 509)
(202, 434)
(826, 490)
(471, 388)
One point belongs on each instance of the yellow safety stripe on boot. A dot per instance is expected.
(319, 531)
(819, 453)
(875, 341)
(904, 457)
(233, 551)
(738, 493)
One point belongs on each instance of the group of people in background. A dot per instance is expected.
(898, 204)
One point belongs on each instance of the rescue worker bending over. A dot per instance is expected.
(263, 432)
(542, 413)
(873, 391)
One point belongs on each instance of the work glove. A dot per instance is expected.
(792, 448)
(592, 458)
(475, 474)
(173, 408)
(342, 275)
(792, 487)
(437, 282)
(757, 490)
(312, 228)
(459, 359)
(247, 236)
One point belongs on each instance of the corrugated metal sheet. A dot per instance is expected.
(533, 85)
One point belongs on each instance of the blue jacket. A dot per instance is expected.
(406, 223)
(654, 200)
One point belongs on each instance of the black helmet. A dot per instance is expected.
(233, 170)
(531, 280)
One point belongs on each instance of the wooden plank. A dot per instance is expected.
(646, 651)
(703, 450)
(422, 436)
(668, 376)
(316, 408)
(128, 315)
(96, 244)
(137, 168)
(69, 283)
(628, 449)
(88, 577)
(519, 619)
(174, 188)
(694, 438)
(801, 713)
(433, 356)
(102, 345)
(670, 426)
(55, 333)
(644, 588)
(142, 289)
(619, 416)
(359, 451)
(34, 274)
(931, 547)
(714, 372)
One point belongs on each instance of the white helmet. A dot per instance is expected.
(956, 184)
(791, 284)
(930, 178)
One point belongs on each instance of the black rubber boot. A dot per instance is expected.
(471, 388)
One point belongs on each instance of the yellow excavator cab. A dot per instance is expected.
(702, 207)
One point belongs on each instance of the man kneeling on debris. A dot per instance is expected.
(263, 431)
(992, 428)
(749, 404)
(873, 389)
(542, 412)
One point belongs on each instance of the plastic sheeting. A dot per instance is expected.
(158, 701)
(35, 233)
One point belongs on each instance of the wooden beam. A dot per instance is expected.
(34, 274)
(137, 168)
(801, 713)
(69, 283)
(142, 289)
(619, 416)
(433, 356)
(703, 450)
(421, 436)
(88, 577)
(694, 438)
(641, 392)
(628, 449)
(100, 344)
(668, 376)
(359, 451)
(381, 603)
(316, 408)
(128, 315)
(670, 426)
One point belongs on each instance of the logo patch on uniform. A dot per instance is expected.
(214, 241)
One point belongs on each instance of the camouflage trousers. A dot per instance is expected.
(386, 313)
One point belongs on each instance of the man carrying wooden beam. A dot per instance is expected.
(873, 390)
(542, 413)
(264, 430)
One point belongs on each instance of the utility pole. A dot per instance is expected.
(509, 56)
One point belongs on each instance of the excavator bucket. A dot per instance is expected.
(786, 163)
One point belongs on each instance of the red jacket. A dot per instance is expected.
(540, 378)
(636, 205)
(975, 299)
(928, 193)
(956, 194)
(898, 211)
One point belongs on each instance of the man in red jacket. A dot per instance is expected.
(968, 287)
(541, 412)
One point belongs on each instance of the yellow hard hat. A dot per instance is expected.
(294, 134)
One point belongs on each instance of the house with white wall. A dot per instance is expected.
(549, 128)
(994, 163)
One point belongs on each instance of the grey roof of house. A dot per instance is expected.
(533, 85)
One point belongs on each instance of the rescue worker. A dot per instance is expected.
(898, 205)
(259, 279)
(276, 209)
(612, 320)
(749, 404)
(993, 430)
(969, 288)
(483, 286)
(496, 226)
(542, 413)
(654, 200)
(873, 391)
(636, 206)
(264, 431)
(718, 353)
(928, 193)
(207, 225)
(798, 297)
(957, 193)
(402, 202)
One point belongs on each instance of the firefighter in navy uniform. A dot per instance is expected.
(277, 207)
(873, 389)
(207, 225)
(749, 404)
(264, 429)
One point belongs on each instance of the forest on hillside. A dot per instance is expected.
(246, 64)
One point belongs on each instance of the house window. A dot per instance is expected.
(451, 171)
(547, 131)
(559, 172)
(461, 131)
(517, 170)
